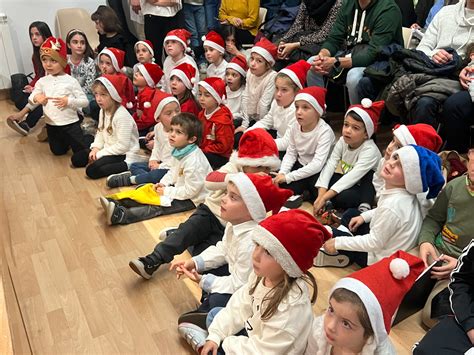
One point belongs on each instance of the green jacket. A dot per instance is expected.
(382, 26)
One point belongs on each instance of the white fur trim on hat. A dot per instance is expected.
(110, 88)
(180, 74)
(404, 135)
(146, 75)
(143, 43)
(273, 162)
(237, 68)
(311, 100)
(291, 74)
(271, 243)
(411, 169)
(213, 45)
(162, 104)
(112, 57)
(369, 125)
(264, 53)
(211, 91)
(175, 38)
(249, 194)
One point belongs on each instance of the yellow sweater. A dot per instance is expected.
(246, 10)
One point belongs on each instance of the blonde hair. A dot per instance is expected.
(109, 129)
(289, 81)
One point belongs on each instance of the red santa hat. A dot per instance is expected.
(381, 288)
(266, 49)
(180, 35)
(186, 73)
(117, 57)
(113, 84)
(159, 101)
(239, 64)
(419, 134)
(369, 112)
(151, 72)
(297, 72)
(214, 40)
(56, 49)
(257, 148)
(293, 238)
(259, 194)
(216, 87)
(315, 96)
(148, 45)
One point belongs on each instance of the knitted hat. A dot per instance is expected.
(369, 112)
(56, 49)
(113, 84)
(266, 49)
(257, 148)
(293, 238)
(216, 87)
(297, 72)
(381, 288)
(151, 72)
(422, 170)
(214, 40)
(148, 46)
(239, 64)
(180, 35)
(259, 193)
(186, 73)
(159, 101)
(315, 96)
(419, 134)
(117, 57)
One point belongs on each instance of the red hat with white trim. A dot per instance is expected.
(419, 134)
(214, 40)
(117, 56)
(159, 101)
(148, 45)
(56, 49)
(297, 72)
(293, 238)
(151, 72)
(180, 35)
(186, 73)
(266, 49)
(315, 96)
(113, 84)
(216, 87)
(239, 64)
(369, 112)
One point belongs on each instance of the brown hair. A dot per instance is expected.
(108, 18)
(190, 125)
(289, 81)
(109, 129)
(188, 94)
(469, 49)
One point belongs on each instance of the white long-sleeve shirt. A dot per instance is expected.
(310, 149)
(187, 176)
(394, 225)
(59, 86)
(235, 249)
(352, 163)
(234, 101)
(169, 64)
(217, 70)
(286, 332)
(161, 148)
(124, 137)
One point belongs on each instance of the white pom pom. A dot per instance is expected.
(399, 268)
(366, 103)
(129, 105)
(146, 104)
(193, 80)
(124, 70)
(188, 50)
(203, 38)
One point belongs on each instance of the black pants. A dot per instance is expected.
(361, 192)
(458, 116)
(213, 300)
(216, 160)
(33, 117)
(426, 111)
(61, 138)
(445, 338)
(105, 166)
(300, 186)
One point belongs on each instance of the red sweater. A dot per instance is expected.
(218, 132)
(144, 116)
(190, 106)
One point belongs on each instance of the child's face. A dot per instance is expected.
(230, 40)
(177, 86)
(233, 207)
(256, 169)
(212, 54)
(306, 115)
(36, 37)
(99, 27)
(138, 79)
(206, 100)
(233, 79)
(470, 165)
(392, 173)
(143, 54)
(178, 138)
(394, 145)
(174, 48)
(342, 327)
(353, 132)
(77, 44)
(167, 113)
(284, 92)
(51, 66)
(471, 56)
(257, 64)
(264, 265)
(103, 98)
(105, 65)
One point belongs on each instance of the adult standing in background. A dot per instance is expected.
(243, 15)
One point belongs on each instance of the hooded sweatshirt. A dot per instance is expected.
(144, 116)
(378, 25)
(218, 131)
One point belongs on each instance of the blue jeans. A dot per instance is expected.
(212, 11)
(195, 22)
(144, 175)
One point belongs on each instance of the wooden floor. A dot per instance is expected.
(66, 281)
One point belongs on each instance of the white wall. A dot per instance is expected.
(22, 12)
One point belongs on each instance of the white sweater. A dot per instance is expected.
(258, 96)
(124, 137)
(234, 101)
(217, 71)
(187, 177)
(169, 64)
(352, 163)
(60, 86)
(280, 119)
(394, 225)
(161, 148)
(235, 249)
(310, 149)
(286, 332)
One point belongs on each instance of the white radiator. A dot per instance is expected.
(8, 64)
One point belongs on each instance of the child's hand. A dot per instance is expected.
(159, 188)
(209, 347)
(15, 117)
(193, 275)
(150, 135)
(180, 265)
(470, 335)
(232, 49)
(427, 250)
(330, 246)
(93, 155)
(41, 99)
(279, 179)
(60, 102)
(28, 89)
(150, 144)
(443, 271)
(239, 129)
(153, 164)
(355, 223)
(318, 206)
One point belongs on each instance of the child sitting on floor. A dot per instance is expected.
(235, 74)
(214, 51)
(182, 80)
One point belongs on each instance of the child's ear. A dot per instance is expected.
(192, 140)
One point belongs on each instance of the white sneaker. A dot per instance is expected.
(334, 260)
(194, 336)
(164, 232)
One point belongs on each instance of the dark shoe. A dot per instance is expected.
(113, 213)
(335, 260)
(144, 266)
(118, 180)
(21, 127)
(294, 201)
(194, 317)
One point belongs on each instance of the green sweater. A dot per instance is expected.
(449, 224)
(382, 26)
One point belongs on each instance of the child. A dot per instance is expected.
(362, 307)
(182, 79)
(176, 46)
(183, 183)
(61, 96)
(310, 142)
(274, 305)
(470, 54)
(233, 46)
(346, 180)
(235, 74)
(397, 220)
(116, 142)
(214, 51)
(249, 197)
(216, 118)
(146, 78)
(164, 107)
(257, 153)
(144, 52)
(282, 111)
